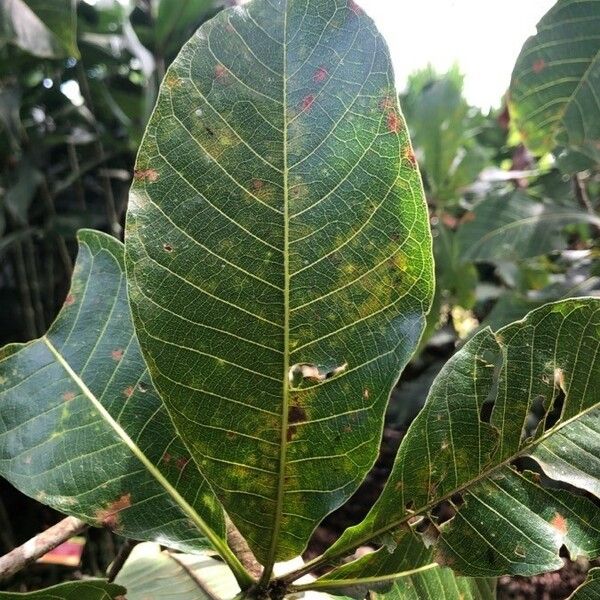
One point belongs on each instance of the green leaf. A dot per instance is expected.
(95, 589)
(83, 430)
(555, 87)
(279, 258)
(153, 574)
(45, 29)
(439, 584)
(515, 227)
(528, 390)
(589, 589)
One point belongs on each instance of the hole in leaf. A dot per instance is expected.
(167, 248)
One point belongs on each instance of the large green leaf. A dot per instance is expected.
(279, 258)
(95, 589)
(45, 29)
(555, 87)
(530, 390)
(82, 428)
(515, 227)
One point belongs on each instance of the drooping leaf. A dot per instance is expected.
(530, 389)
(589, 589)
(153, 574)
(82, 428)
(555, 86)
(95, 589)
(279, 258)
(515, 227)
(45, 29)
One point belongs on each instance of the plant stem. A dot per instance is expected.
(39, 545)
(122, 556)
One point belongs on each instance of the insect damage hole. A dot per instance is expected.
(311, 373)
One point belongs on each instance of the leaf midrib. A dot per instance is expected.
(286, 324)
(151, 468)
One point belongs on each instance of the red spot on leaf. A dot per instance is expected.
(559, 523)
(117, 354)
(166, 458)
(409, 155)
(128, 391)
(69, 300)
(393, 122)
(109, 516)
(320, 75)
(68, 396)
(150, 175)
(257, 184)
(355, 8)
(386, 103)
(307, 102)
(220, 72)
(182, 463)
(539, 65)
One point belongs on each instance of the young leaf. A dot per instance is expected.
(279, 258)
(555, 89)
(82, 428)
(95, 589)
(531, 389)
(153, 574)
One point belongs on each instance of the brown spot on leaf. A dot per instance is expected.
(539, 65)
(409, 155)
(117, 354)
(109, 516)
(307, 102)
(296, 414)
(220, 72)
(559, 523)
(166, 458)
(128, 391)
(172, 81)
(366, 393)
(167, 248)
(393, 122)
(468, 217)
(182, 463)
(257, 184)
(69, 300)
(320, 75)
(68, 396)
(150, 175)
(291, 433)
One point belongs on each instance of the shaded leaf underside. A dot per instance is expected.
(538, 380)
(81, 427)
(277, 230)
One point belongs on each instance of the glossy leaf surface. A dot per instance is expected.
(279, 258)
(96, 589)
(82, 428)
(530, 387)
(555, 87)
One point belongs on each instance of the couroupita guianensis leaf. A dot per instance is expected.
(82, 428)
(554, 95)
(530, 390)
(95, 589)
(279, 258)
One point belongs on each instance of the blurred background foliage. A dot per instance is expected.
(78, 80)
